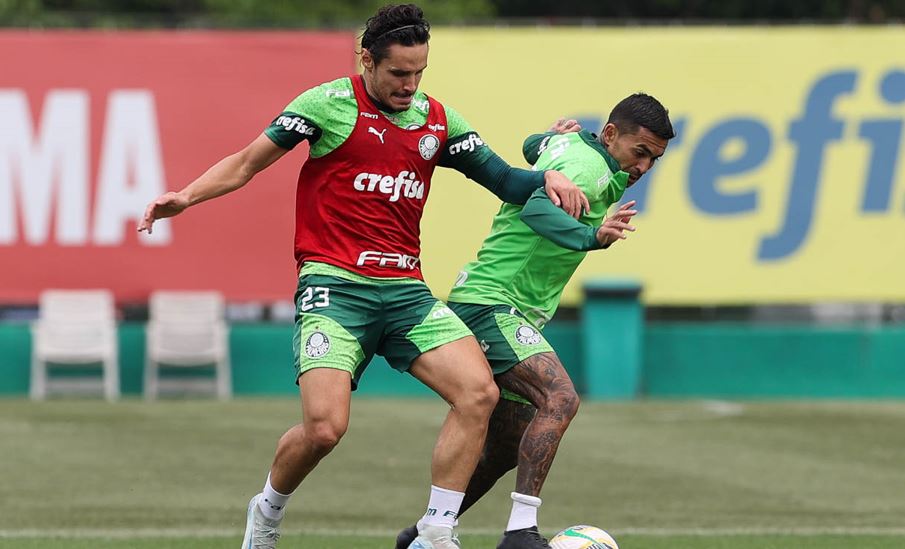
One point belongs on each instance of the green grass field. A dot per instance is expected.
(677, 475)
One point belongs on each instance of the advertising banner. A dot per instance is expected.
(785, 182)
(94, 125)
(783, 185)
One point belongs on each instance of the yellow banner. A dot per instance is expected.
(783, 184)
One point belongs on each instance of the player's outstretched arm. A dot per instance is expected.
(467, 153)
(513, 185)
(225, 176)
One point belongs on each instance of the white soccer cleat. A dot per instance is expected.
(436, 537)
(260, 531)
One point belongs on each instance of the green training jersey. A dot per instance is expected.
(517, 266)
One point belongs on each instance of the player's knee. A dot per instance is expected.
(323, 436)
(480, 400)
(571, 402)
(563, 401)
(488, 398)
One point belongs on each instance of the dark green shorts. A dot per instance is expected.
(342, 322)
(504, 334)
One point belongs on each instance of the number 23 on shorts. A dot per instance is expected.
(315, 297)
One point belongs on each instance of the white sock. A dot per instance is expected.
(524, 512)
(443, 508)
(272, 503)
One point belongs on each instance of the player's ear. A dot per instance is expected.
(610, 133)
(367, 61)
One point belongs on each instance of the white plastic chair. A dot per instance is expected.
(187, 330)
(77, 328)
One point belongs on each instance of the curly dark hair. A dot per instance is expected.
(394, 24)
(639, 110)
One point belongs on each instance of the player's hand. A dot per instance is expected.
(565, 194)
(614, 226)
(166, 205)
(565, 126)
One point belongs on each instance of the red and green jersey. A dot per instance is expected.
(519, 267)
(359, 206)
(361, 193)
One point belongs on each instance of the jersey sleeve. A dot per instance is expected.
(465, 150)
(554, 224)
(534, 145)
(300, 120)
(468, 154)
(456, 124)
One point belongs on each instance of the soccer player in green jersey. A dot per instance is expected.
(375, 140)
(513, 288)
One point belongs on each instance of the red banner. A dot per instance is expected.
(93, 125)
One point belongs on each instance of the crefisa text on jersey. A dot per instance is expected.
(403, 184)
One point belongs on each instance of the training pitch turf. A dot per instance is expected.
(702, 475)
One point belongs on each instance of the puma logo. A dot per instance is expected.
(377, 133)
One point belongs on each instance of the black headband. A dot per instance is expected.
(374, 41)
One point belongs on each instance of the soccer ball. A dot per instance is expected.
(583, 537)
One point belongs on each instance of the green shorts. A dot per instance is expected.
(343, 321)
(505, 336)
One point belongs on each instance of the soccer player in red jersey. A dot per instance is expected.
(375, 140)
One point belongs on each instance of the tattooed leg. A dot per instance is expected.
(542, 380)
(500, 454)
